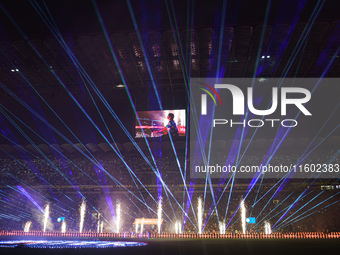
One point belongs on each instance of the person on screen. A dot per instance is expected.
(172, 125)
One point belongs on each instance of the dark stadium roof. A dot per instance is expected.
(29, 66)
(77, 22)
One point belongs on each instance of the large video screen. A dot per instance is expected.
(159, 123)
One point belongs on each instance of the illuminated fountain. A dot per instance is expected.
(63, 226)
(118, 216)
(243, 216)
(98, 223)
(82, 216)
(27, 227)
(222, 227)
(101, 226)
(46, 216)
(200, 215)
(178, 227)
(136, 228)
(142, 226)
(159, 214)
(267, 228)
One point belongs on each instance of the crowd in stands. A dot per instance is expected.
(297, 205)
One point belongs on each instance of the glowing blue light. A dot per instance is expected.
(60, 219)
(61, 244)
(251, 220)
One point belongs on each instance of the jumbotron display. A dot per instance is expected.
(159, 123)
